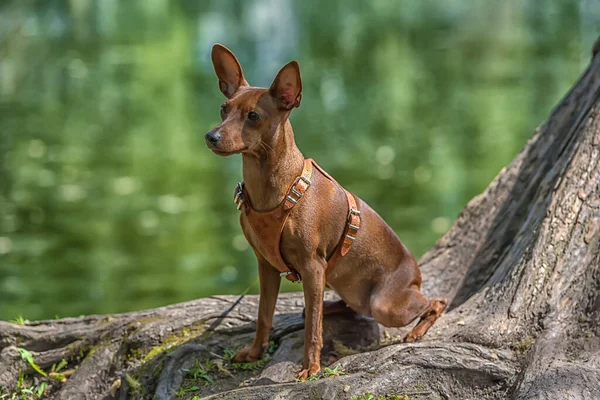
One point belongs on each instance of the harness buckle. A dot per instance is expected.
(295, 191)
(352, 212)
(238, 198)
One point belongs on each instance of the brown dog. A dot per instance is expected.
(300, 222)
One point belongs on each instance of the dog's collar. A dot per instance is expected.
(294, 194)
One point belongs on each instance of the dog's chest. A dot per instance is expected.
(265, 240)
(250, 234)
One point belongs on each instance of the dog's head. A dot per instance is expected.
(250, 115)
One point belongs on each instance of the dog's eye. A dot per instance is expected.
(223, 110)
(252, 116)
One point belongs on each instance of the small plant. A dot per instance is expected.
(326, 373)
(181, 392)
(272, 347)
(59, 366)
(35, 392)
(364, 396)
(228, 353)
(332, 372)
(20, 320)
(134, 385)
(20, 380)
(23, 391)
(41, 389)
(55, 371)
(200, 371)
(27, 356)
(251, 366)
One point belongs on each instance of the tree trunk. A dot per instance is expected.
(521, 266)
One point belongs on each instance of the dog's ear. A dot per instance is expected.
(287, 86)
(228, 70)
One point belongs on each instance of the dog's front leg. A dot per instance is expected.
(269, 288)
(314, 287)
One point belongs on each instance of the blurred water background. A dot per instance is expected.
(109, 199)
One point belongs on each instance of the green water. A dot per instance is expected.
(109, 199)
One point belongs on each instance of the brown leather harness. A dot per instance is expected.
(268, 225)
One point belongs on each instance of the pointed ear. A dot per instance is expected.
(287, 86)
(228, 70)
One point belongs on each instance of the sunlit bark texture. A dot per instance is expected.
(521, 266)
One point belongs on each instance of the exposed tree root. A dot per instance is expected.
(521, 267)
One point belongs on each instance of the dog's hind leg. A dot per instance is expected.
(428, 318)
(397, 308)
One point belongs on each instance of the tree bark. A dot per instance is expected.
(521, 267)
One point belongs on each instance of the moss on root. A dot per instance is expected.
(371, 396)
(169, 343)
(524, 345)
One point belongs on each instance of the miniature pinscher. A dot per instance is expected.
(303, 225)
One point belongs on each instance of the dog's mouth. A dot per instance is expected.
(226, 153)
(218, 150)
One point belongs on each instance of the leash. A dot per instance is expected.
(221, 317)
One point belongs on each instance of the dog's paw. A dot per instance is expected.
(306, 373)
(410, 338)
(248, 354)
(439, 305)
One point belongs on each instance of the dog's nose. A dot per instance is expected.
(213, 137)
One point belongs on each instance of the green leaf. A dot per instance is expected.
(20, 380)
(333, 371)
(61, 365)
(132, 381)
(272, 347)
(58, 377)
(27, 356)
(41, 389)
